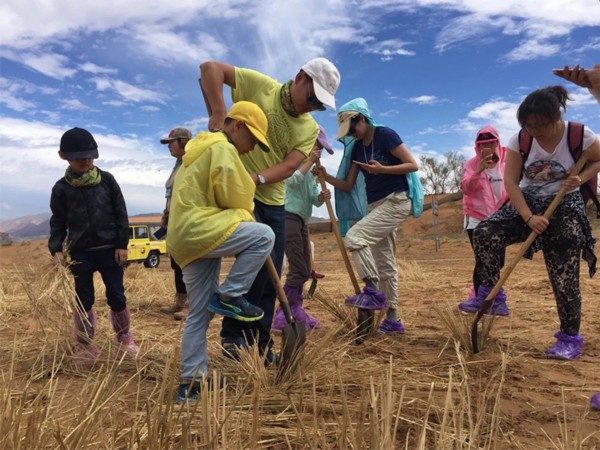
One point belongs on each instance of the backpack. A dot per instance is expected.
(575, 140)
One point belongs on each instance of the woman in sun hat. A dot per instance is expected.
(376, 163)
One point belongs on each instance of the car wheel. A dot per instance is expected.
(153, 260)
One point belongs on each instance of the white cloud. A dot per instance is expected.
(424, 100)
(531, 49)
(74, 105)
(389, 48)
(14, 102)
(95, 69)
(127, 91)
(172, 47)
(52, 65)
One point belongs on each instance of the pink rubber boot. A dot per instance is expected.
(120, 323)
(84, 329)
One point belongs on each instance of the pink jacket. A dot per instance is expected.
(478, 196)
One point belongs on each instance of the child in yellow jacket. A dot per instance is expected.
(211, 217)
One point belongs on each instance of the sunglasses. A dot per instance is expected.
(312, 99)
(353, 122)
(485, 137)
(314, 103)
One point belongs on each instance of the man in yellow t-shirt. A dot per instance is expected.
(292, 133)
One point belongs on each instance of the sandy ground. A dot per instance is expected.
(540, 400)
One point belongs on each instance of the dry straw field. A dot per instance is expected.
(421, 390)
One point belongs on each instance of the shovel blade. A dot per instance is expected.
(364, 324)
(313, 286)
(293, 338)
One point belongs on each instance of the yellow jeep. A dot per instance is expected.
(143, 247)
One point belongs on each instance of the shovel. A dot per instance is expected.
(508, 269)
(366, 317)
(293, 335)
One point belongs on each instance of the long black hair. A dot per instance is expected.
(546, 103)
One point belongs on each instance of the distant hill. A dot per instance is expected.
(27, 227)
(37, 226)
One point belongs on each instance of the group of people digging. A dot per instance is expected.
(220, 204)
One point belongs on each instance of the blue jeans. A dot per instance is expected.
(250, 243)
(85, 263)
(262, 293)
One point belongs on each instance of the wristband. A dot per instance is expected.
(528, 219)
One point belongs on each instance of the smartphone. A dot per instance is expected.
(359, 163)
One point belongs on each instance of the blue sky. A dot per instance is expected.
(433, 70)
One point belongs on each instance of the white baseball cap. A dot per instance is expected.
(326, 79)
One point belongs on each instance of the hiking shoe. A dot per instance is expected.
(231, 348)
(567, 347)
(189, 392)
(369, 298)
(391, 326)
(272, 359)
(595, 401)
(237, 308)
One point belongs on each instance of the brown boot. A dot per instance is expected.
(178, 305)
(181, 315)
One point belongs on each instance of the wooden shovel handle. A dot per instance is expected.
(283, 301)
(336, 231)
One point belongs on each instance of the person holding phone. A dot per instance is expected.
(379, 155)
(587, 78)
(482, 185)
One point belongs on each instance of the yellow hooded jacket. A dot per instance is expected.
(212, 194)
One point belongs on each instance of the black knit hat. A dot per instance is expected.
(78, 143)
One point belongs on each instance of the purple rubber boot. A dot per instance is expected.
(369, 298)
(295, 298)
(310, 323)
(391, 326)
(472, 305)
(279, 320)
(595, 401)
(567, 347)
(499, 307)
(84, 329)
(120, 322)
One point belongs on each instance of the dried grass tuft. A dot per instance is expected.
(460, 324)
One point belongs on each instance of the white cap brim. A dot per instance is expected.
(324, 97)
